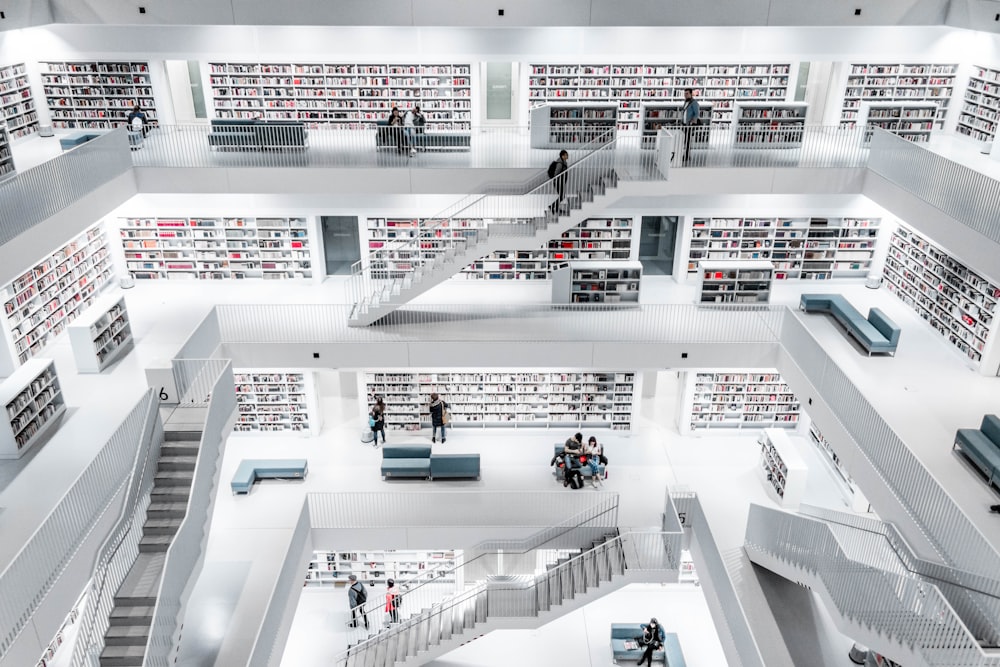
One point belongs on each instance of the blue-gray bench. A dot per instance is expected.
(982, 447)
(876, 334)
(73, 140)
(406, 461)
(454, 466)
(386, 137)
(584, 469)
(257, 134)
(671, 654)
(250, 470)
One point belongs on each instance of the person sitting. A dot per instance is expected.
(652, 638)
(594, 453)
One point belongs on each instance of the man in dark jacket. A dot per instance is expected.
(357, 595)
(438, 419)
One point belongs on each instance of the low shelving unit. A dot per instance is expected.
(735, 282)
(102, 335)
(769, 124)
(607, 283)
(564, 125)
(785, 473)
(34, 403)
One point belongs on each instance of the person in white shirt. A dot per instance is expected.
(410, 130)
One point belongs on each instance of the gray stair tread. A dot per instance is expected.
(163, 506)
(143, 579)
(137, 611)
(175, 493)
(174, 477)
(156, 539)
(126, 651)
(179, 448)
(169, 522)
(128, 631)
(177, 458)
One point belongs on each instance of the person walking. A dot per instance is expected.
(357, 595)
(439, 416)
(594, 451)
(377, 421)
(409, 128)
(653, 637)
(557, 172)
(691, 115)
(392, 600)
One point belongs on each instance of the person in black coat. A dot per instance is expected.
(438, 421)
(653, 637)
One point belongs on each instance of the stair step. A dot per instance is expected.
(126, 601)
(166, 510)
(180, 448)
(122, 656)
(176, 462)
(127, 635)
(188, 435)
(172, 494)
(173, 478)
(131, 615)
(166, 526)
(154, 543)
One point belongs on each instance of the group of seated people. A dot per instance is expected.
(576, 454)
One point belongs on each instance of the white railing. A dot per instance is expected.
(731, 623)
(40, 563)
(119, 551)
(965, 194)
(196, 378)
(186, 553)
(40, 192)
(901, 609)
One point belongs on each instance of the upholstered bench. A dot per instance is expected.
(454, 466)
(73, 140)
(387, 137)
(406, 461)
(250, 470)
(584, 469)
(876, 334)
(982, 447)
(671, 654)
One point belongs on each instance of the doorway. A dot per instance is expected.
(341, 243)
(657, 244)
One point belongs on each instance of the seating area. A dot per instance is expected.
(77, 139)
(385, 137)
(251, 470)
(257, 134)
(982, 447)
(670, 655)
(417, 462)
(584, 469)
(877, 334)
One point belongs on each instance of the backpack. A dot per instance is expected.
(360, 594)
(575, 479)
(552, 168)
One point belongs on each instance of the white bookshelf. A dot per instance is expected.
(275, 401)
(785, 472)
(598, 282)
(17, 106)
(981, 106)
(857, 500)
(34, 403)
(374, 568)
(566, 125)
(657, 116)
(732, 400)
(769, 124)
(6, 157)
(512, 399)
(97, 94)
(42, 301)
(102, 335)
(801, 248)
(913, 121)
(629, 86)
(216, 248)
(961, 304)
(897, 82)
(353, 96)
(735, 282)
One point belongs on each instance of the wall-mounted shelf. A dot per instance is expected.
(913, 121)
(729, 400)
(6, 157)
(17, 106)
(33, 402)
(785, 473)
(957, 301)
(897, 82)
(565, 125)
(769, 124)
(353, 96)
(271, 401)
(102, 335)
(735, 282)
(216, 248)
(981, 108)
(97, 94)
(373, 568)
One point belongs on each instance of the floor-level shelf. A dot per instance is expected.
(6, 157)
(913, 121)
(958, 302)
(507, 399)
(730, 400)
(897, 82)
(566, 125)
(981, 107)
(769, 124)
(17, 106)
(785, 472)
(374, 568)
(735, 282)
(102, 335)
(657, 116)
(275, 401)
(34, 403)
(596, 282)
(97, 94)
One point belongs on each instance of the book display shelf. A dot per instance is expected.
(102, 335)
(96, 95)
(913, 121)
(373, 568)
(732, 400)
(735, 282)
(981, 107)
(34, 403)
(592, 239)
(958, 302)
(857, 500)
(606, 283)
(270, 401)
(801, 248)
(17, 107)
(666, 116)
(629, 86)
(769, 124)
(510, 399)
(785, 473)
(346, 95)
(6, 157)
(42, 301)
(897, 82)
(216, 248)
(565, 125)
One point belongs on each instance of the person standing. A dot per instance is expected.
(409, 128)
(396, 129)
(438, 408)
(377, 421)
(653, 637)
(557, 172)
(392, 599)
(595, 453)
(691, 115)
(136, 120)
(357, 594)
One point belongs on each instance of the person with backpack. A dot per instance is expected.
(357, 595)
(557, 172)
(376, 420)
(393, 598)
(691, 116)
(439, 416)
